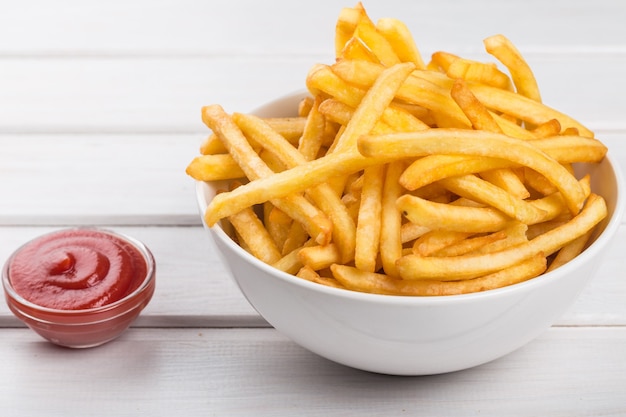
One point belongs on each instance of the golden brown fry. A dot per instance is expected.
(478, 115)
(480, 72)
(441, 216)
(521, 73)
(214, 168)
(369, 218)
(252, 231)
(570, 251)
(401, 40)
(550, 128)
(442, 60)
(310, 275)
(569, 149)
(471, 244)
(212, 145)
(390, 234)
(320, 257)
(346, 24)
(314, 133)
(436, 240)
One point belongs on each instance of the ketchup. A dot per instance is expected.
(76, 269)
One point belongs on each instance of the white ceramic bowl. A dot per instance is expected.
(403, 335)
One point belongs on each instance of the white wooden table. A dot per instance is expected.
(99, 116)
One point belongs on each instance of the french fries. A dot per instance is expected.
(405, 177)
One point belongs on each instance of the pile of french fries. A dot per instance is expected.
(404, 177)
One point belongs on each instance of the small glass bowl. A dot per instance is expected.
(90, 327)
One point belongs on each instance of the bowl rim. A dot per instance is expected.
(145, 285)
(612, 225)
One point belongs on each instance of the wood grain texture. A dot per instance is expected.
(243, 372)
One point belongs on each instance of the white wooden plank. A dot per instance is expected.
(243, 372)
(166, 95)
(98, 179)
(188, 27)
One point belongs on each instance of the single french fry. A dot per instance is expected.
(511, 128)
(320, 256)
(570, 251)
(347, 22)
(507, 180)
(436, 240)
(538, 182)
(478, 115)
(304, 106)
(567, 149)
(521, 73)
(214, 168)
(441, 216)
(309, 274)
(442, 60)
(480, 72)
(471, 244)
(546, 129)
(515, 234)
(369, 218)
(257, 239)
(314, 132)
(212, 145)
(391, 223)
(410, 231)
(401, 40)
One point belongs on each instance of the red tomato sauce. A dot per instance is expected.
(76, 269)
